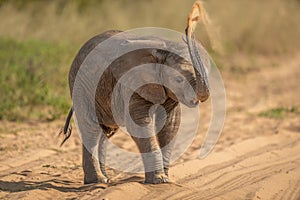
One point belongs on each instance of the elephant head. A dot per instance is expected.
(183, 81)
(168, 74)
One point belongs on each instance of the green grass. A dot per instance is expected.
(278, 113)
(33, 79)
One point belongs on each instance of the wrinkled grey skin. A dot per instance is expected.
(140, 103)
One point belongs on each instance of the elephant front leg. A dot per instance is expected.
(152, 160)
(140, 126)
(166, 126)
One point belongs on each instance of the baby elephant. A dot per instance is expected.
(166, 89)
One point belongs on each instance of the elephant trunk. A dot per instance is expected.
(202, 84)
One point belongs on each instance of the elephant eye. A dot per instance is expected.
(179, 79)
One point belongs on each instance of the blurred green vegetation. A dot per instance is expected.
(39, 39)
(278, 113)
(33, 79)
(265, 27)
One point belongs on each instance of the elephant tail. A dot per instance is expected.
(67, 130)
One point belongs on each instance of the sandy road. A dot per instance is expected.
(266, 167)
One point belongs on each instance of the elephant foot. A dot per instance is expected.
(95, 179)
(156, 178)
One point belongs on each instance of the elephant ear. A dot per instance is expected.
(152, 92)
(153, 89)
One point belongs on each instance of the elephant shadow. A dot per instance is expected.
(120, 181)
(59, 185)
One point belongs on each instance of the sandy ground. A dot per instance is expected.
(255, 158)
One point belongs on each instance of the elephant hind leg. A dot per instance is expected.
(91, 168)
(108, 132)
(92, 143)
